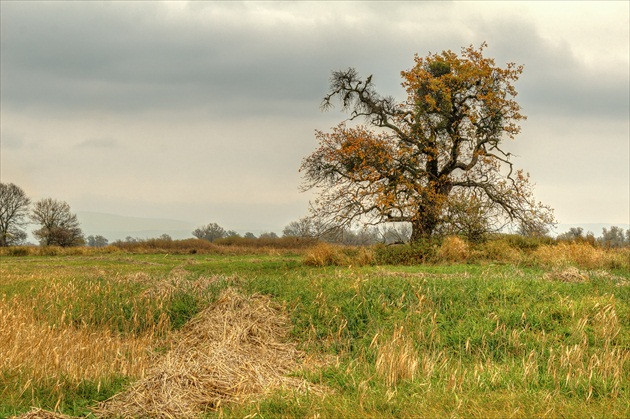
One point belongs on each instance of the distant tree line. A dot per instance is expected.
(58, 226)
(213, 232)
(610, 238)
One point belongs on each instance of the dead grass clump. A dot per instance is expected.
(231, 351)
(583, 255)
(498, 250)
(397, 358)
(453, 249)
(326, 254)
(570, 274)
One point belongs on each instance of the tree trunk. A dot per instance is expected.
(429, 213)
(423, 227)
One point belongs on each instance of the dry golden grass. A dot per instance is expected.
(453, 249)
(77, 352)
(231, 351)
(326, 254)
(396, 358)
(582, 255)
(499, 251)
(66, 352)
(572, 366)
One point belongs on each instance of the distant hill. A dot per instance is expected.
(118, 227)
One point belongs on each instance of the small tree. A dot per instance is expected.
(249, 235)
(574, 234)
(613, 237)
(96, 241)
(270, 235)
(300, 228)
(395, 233)
(14, 206)
(59, 226)
(210, 232)
(305, 227)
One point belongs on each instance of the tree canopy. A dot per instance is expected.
(429, 159)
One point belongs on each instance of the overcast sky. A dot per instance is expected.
(203, 111)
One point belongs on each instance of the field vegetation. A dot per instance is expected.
(512, 327)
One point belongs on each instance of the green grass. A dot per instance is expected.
(489, 340)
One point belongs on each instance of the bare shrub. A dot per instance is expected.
(326, 254)
(498, 250)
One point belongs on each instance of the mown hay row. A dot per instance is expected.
(231, 351)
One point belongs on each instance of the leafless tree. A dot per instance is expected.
(14, 206)
(614, 237)
(96, 241)
(59, 226)
(210, 232)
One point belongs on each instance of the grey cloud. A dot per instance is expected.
(215, 103)
(125, 58)
(554, 80)
(106, 57)
(99, 143)
(11, 140)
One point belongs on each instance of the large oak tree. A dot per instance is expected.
(424, 159)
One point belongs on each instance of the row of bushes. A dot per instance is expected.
(506, 249)
(227, 245)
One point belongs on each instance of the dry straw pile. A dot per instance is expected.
(570, 274)
(37, 413)
(231, 351)
(453, 249)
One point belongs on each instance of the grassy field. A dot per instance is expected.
(318, 332)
